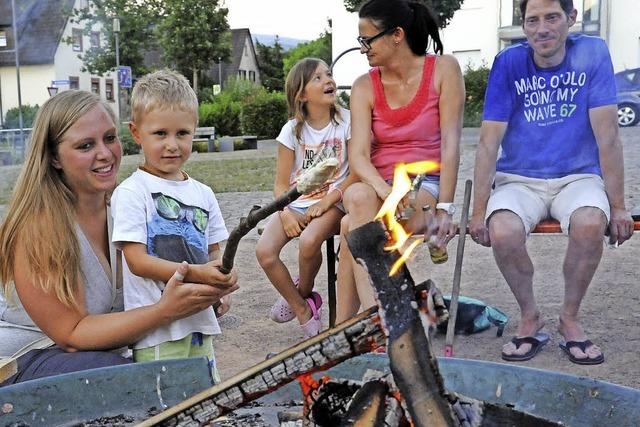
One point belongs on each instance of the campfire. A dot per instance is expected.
(414, 392)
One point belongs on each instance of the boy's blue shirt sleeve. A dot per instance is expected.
(497, 100)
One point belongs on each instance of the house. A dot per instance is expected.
(481, 28)
(243, 62)
(45, 59)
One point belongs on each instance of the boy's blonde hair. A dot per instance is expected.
(298, 77)
(163, 89)
(41, 215)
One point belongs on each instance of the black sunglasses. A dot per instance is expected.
(365, 42)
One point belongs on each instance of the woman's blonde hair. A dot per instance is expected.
(41, 215)
(298, 77)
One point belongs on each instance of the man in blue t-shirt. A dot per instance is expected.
(551, 107)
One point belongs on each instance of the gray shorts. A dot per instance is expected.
(534, 199)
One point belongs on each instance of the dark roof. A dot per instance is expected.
(238, 38)
(40, 27)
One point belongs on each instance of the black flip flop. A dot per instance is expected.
(582, 345)
(537, 342)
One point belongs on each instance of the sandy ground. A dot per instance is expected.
(610, 312)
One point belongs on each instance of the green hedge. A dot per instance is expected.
(475, 82)
(129, 146)
(12, 118)
(264, 115)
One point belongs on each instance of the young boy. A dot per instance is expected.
(163, 217)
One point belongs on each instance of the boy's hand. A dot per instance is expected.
(222, 307)
(209, 274)
(292, 224)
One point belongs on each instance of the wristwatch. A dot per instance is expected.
(449, 208)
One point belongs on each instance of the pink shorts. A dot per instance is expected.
(534, 199)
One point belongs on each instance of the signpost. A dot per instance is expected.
(124, 76)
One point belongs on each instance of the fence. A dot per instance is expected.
(13, 145)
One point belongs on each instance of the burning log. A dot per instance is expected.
(414, 367)
(310, 181)
(413, 364)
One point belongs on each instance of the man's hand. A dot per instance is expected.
(478, 230)
(620, 226)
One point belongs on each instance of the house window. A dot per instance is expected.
(517, 16)
(252, 76)
(95, 39)
(95, 85)
(76, 37)
(242, 74)
(3, 38)
(591, 11)
(74, 82)
(108, 89)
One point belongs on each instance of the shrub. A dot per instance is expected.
(475, 81)
(224, 115)
(129, 146)
(12, 119)
(264, 115)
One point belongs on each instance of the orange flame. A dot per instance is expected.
(401, 186)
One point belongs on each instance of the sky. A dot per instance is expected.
(299, 19)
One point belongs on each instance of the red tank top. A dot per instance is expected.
(407, 134)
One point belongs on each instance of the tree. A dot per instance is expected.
(270, 62)
(136, 33)
(444, 9)
(193, 34)
(319, 48)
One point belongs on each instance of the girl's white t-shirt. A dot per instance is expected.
(314, 146)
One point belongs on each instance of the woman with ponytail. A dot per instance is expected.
(407, 108)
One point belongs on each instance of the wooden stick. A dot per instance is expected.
(310, 181)
(457, 272)
(351, 338)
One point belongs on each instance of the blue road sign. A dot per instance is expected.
(60, 82)
(124, 76)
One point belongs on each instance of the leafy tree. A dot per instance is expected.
(136, 33)
(193, 34)
(319, 48)
(444, 9)
(270, 62)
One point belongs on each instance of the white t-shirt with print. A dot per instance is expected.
(315, 145)
(176, 220)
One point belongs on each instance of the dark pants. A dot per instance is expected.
(54, 361)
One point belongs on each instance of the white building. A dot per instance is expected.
(481, 28)
(45, 58)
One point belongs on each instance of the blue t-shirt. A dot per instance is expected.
(549, 134)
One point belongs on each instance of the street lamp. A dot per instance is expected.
(116, 34)
(52, 90)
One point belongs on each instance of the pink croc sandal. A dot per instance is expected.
(314, 325)
(281, 311)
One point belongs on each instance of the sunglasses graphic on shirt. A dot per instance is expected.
(172, 209)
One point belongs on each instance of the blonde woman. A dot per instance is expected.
(55, 255)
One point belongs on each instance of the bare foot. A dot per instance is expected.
(528, 327)
(571, 330)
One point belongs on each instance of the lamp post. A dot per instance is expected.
(53, 90)
(220, 72)
(116, 34)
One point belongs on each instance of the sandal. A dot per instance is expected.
(313, 325)
(281, 311)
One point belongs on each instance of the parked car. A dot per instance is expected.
(628, 109)
(628, 87)
(628, 81)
